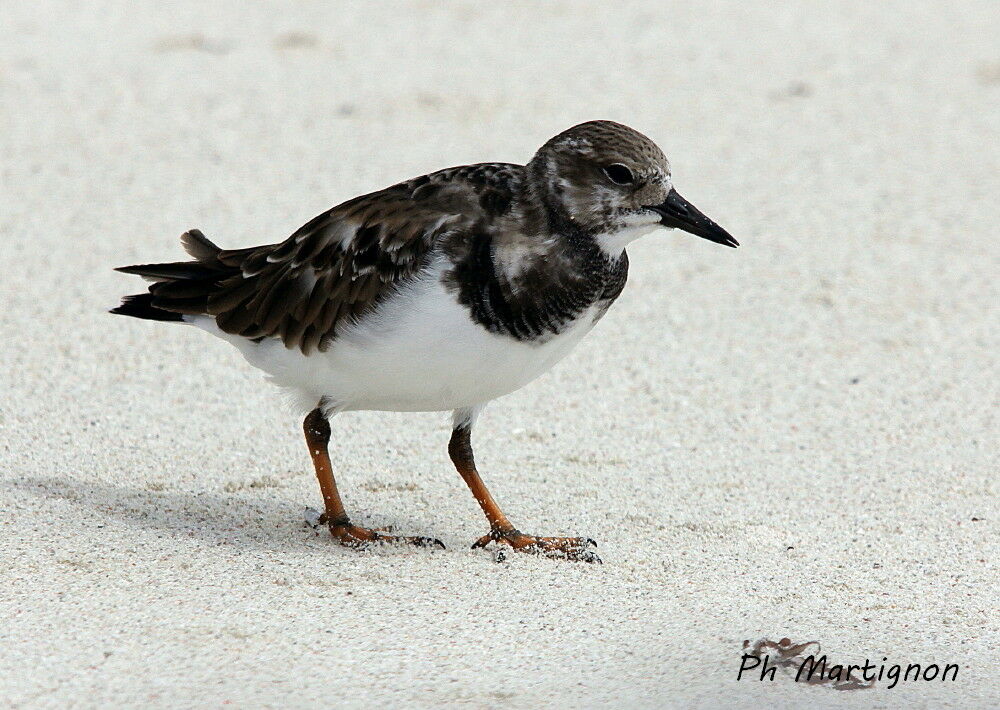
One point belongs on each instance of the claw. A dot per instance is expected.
(483, 541)
(360, 538)
(426, 542)
(571, 548)
(363, 538)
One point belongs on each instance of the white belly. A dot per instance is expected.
(419, 352)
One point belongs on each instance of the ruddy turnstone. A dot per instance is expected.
(442, 292)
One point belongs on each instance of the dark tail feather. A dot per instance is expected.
(206, 264)
(175, 271)
(199, 246)
(141, 306)
(180, 287)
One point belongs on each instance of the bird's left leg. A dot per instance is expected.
(501, 529)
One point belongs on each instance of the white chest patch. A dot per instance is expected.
(420, 351)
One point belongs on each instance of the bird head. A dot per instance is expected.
(615, 184)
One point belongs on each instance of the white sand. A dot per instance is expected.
(789, 439)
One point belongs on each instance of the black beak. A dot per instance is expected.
(677, 212)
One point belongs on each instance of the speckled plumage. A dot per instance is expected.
(340, 265)
(442, 292)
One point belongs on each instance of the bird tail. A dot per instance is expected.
(141, 305)
(177, 288)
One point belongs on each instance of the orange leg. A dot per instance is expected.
(501, 529)
(317, 430)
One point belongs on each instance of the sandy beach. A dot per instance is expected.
(797, 438)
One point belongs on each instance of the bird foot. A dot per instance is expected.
(570, 548)
(355, 536)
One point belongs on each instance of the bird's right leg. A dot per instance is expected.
(317, 431)
(502, 531)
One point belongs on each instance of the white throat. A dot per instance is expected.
(638, 225)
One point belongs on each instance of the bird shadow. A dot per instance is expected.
(267, 522)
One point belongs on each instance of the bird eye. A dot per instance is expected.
(619, 174)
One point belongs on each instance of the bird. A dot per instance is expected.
(440, 293)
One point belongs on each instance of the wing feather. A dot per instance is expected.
(339, 265)
(335, 268)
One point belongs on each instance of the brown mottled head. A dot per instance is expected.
(615, 184)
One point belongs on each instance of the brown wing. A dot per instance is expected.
(334, 268)
(330, 272)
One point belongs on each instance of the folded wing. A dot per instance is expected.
(332, 270)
